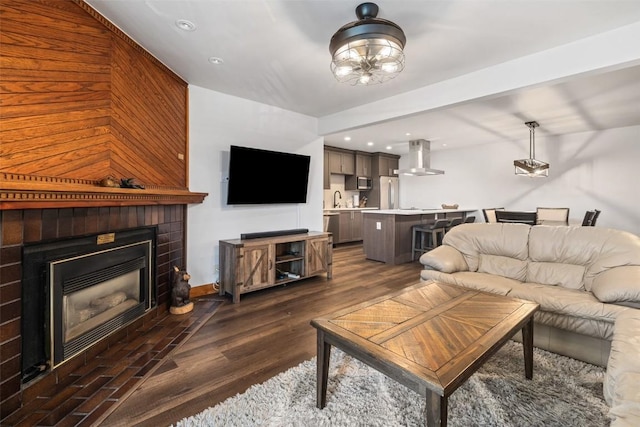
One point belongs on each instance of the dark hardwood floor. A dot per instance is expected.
(243, 344)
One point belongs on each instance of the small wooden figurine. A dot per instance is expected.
(180, 303)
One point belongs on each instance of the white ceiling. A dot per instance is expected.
(276, 52)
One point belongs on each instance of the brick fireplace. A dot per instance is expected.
(20, 227)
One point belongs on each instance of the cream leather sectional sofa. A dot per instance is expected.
(586, 280)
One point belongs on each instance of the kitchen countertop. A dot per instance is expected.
(421, 211)
(338, 210)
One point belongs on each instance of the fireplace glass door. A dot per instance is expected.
(95, 294)
(90, 307)
(78, 291)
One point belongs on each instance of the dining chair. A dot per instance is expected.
(470, 219)
(517, 216)
(490, 214)
(588, 218)
(552, 216)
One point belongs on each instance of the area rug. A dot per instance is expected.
(563, 392)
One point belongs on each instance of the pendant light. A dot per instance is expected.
(367, 51)
(531, 167)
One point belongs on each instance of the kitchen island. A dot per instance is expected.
(387, 233)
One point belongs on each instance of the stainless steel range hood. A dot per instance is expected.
(419, 160)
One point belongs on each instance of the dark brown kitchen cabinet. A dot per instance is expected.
(363, 164)
(350, 226)
(384, 164)
(341, 162)
(327, 174)
(363, 169)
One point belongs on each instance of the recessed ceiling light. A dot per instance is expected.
(185, 25)
(389, 147)
(370, 143)
(216, 60)
(407, 134)
(444, 145)
(347, 138)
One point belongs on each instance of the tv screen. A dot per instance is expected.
(261, 176)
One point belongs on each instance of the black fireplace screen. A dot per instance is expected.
(78, 291)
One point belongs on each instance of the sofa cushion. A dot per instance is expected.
(625, 407)
(626, 414)
(572, 302)
(625, 348)
(617, 248)
(620, 284)
(599, 329)
(445, 259)
(502, 266)
(501, 239)
(472, 280)
(556, 274)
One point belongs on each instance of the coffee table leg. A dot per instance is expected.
(324, 354)
(527, 345)
(436, 409)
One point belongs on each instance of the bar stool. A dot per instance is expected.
(432, 233)
(453, 223)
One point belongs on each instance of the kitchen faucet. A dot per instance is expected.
(336, 205)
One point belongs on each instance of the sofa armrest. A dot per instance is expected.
(618, 284)
(445, 259)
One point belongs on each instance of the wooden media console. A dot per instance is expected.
(248, 265)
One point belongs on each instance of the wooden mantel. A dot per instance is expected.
(37, 192)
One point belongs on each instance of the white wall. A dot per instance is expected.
(591, 170)
(217, 121)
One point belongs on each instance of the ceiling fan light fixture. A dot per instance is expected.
(531, 167)
(369, 50)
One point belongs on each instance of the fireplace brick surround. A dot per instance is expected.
(18, 227)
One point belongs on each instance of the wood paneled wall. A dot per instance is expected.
(81, 100)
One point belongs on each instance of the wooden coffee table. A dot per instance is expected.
(431, 337)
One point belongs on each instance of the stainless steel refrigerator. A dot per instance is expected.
(389, 192)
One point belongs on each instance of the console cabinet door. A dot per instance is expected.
(317, 256)
(257, 267)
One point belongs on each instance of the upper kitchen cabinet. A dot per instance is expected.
(363, 164)
(327, 175)
(383, 164)
(341, 162)
(363, 169)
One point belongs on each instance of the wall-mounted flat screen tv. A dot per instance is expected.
(262, 176)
